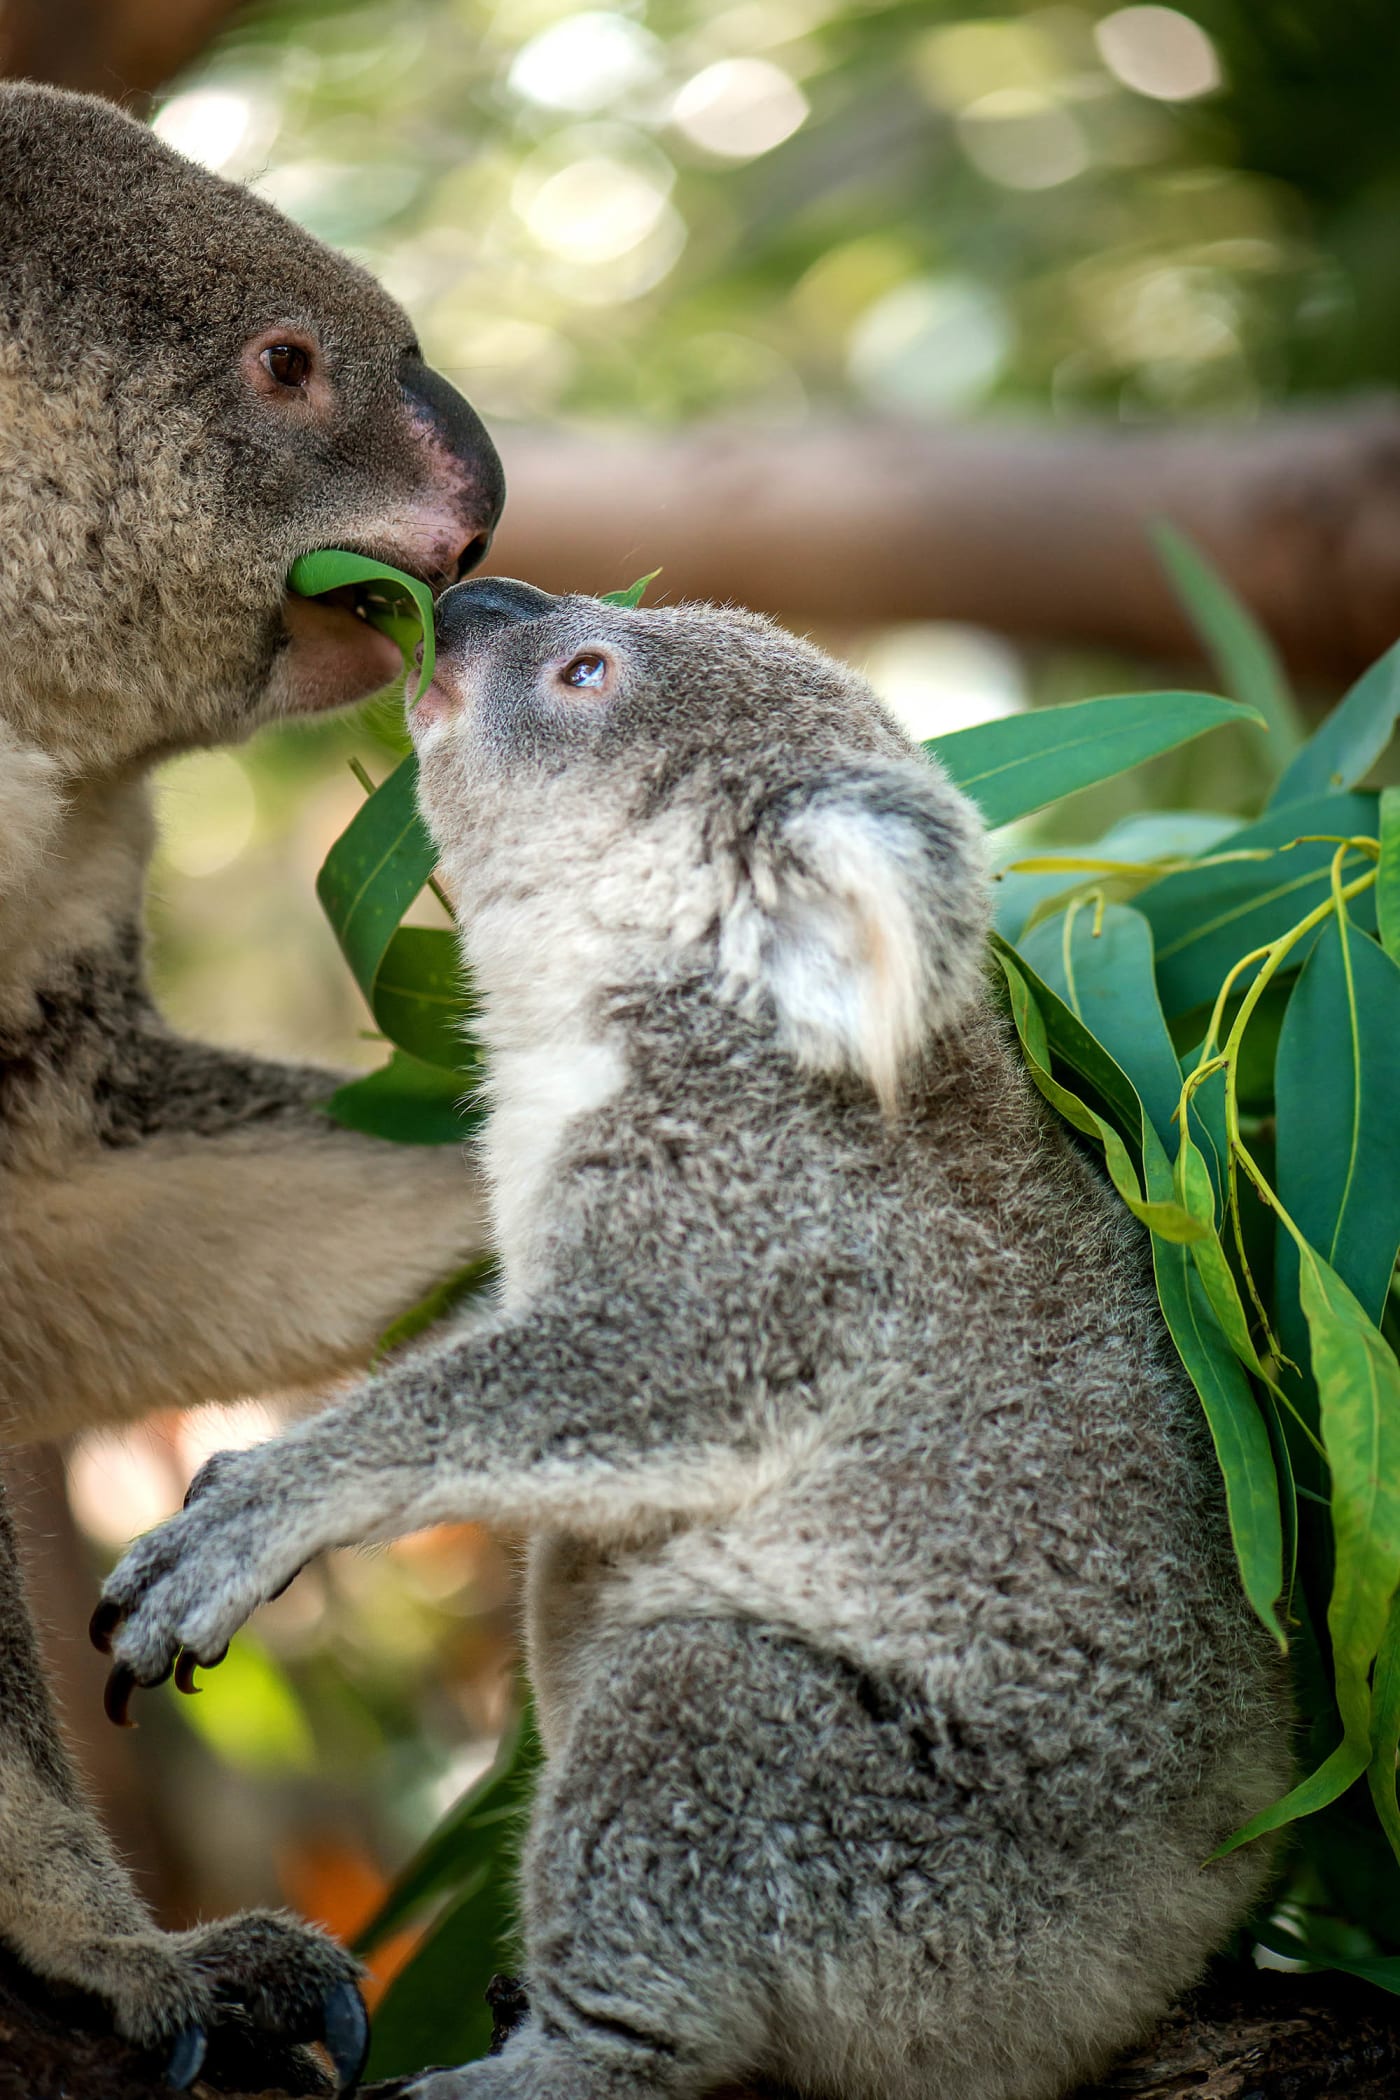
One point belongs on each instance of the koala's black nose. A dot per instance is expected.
(469, 609)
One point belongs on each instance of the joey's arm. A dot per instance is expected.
(587, 1414)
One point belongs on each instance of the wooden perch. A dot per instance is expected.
(1255, 2036)
(1040, 533)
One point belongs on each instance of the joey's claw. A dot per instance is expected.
(346, 2035)
(186, 2058)
(121, 1683)
(116, 1698)
(188, 1662)
(103, 1624)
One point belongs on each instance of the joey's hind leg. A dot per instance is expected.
(247, 1989)
(711, 1879)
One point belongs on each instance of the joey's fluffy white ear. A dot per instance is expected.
(859, 916)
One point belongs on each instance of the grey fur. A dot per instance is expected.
(894, 1672)
(178, 1223)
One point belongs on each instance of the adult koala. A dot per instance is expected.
(193, 392)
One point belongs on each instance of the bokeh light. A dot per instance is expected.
(1159, 52)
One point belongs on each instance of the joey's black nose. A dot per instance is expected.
(470, 609)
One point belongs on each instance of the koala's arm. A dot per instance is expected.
(587, 1413)
(225, 1238)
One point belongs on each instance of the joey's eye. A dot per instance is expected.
(588, 670)
(287, 363)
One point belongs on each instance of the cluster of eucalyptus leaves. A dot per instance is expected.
(1215, 1009)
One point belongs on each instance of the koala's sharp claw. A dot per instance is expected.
(186, 2058)
(103, 1624)
(116, 1698)
(184, 1673)
(346, 2035)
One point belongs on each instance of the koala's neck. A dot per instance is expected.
(73, 858)
(550, 1060)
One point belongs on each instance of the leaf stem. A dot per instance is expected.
(433, 884)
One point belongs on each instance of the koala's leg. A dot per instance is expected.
(723, 1885)
(250, 1987)
(749, 1863)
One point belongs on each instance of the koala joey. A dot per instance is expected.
(895, 1678)
(193, 392)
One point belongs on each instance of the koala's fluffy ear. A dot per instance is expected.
(859, 915)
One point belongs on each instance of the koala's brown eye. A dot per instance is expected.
(586, 670)
(288, 363)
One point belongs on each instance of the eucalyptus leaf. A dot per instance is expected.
(481, 1830)
(1385, 1729)
(1238, 1430)
(408, 1101)
(1168, 1218)
(435, 2008)
(1243, 654)
(420, 1000)
(331, 568)
(436, 1304)
(1388, 873)
(633, 594)
(1102, 967)
(1383, 1970)
(1020, 762)
(1337, 1090)
(1204, 919)
(374, 871)
(1352, 737)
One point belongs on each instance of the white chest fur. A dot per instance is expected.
(535, 1095)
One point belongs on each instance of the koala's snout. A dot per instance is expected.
(471, 611)
(465, 459)
(466, 618)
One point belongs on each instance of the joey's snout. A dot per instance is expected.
(468, 617)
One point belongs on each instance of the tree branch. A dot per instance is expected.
(1259, 2036)
(124, 49)
(1038, 533)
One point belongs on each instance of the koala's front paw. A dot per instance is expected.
(180, 1594)
(234, 2003)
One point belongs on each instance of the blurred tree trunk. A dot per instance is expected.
(124, 49)
(1040, 533)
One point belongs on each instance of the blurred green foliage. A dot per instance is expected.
(653, 211)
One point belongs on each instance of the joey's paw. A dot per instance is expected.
(179, 1595)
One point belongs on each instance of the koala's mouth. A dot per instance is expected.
(332, 657)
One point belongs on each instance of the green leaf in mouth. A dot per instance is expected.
(403, 609)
